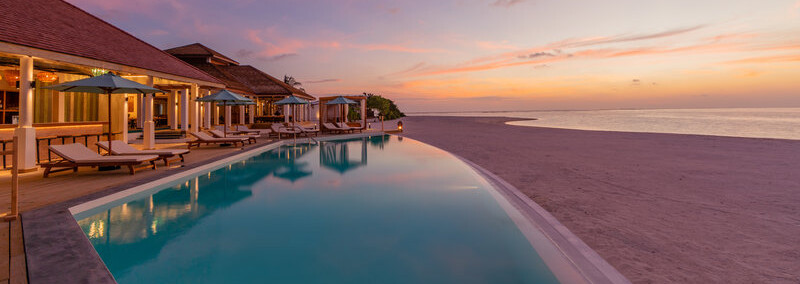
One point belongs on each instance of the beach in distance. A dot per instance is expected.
(661, 208)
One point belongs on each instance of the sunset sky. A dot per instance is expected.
(464, 55)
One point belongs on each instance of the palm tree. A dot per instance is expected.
(292, 82)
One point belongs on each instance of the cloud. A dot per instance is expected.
(766, 59)
(506, 3)
(537, 54)
(158, 32)
(636, 82)
(323, 81)
(602, 47)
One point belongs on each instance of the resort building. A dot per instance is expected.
(248, 81)
(45, 42)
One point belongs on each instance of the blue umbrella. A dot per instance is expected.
(226, 98)
(108, 83)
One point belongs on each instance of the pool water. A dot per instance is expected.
(381, 209)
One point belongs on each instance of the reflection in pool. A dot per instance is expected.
(367, 210)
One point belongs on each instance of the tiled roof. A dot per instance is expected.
(58, 26)
(262, 83)
(198, 50)
(221, 73)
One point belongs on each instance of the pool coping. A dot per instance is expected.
(585, 260)
(57, 250)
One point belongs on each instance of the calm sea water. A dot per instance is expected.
(370, 210)
(781, 123)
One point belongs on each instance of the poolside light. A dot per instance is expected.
(400, 126)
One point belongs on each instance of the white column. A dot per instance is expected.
(184, 107)
(252, 114)
(149, 127)
(139, 111)
(26, 161)
(215, 113)
(124, 118)
(228, 117)
(285, 113)
(207, 113)
(172, 118)
(345, 112)
(241, 114)
(194, 106)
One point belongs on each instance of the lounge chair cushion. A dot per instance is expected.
(121, 148)
(77, 153)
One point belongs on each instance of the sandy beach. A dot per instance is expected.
(661, 208)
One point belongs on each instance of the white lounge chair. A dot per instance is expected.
(245, 129)
(346, 127)
(203, 138)
(332, 127)
(305, 129)
(76, 155)
(120, 148)
(220, 134)
(279, 129)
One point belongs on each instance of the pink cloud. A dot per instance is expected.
(490, 45)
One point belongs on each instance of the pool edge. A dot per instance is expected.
(584, 259)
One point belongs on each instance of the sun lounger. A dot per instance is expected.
(346, 127)
(203, 138)
(280, 129)
(120, 148)
(76, 155)
(332, 127)
(307, 130)
(220, 134)
(244, 128)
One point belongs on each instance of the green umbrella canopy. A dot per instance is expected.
(224, 96)
(341, 101)
(291, 100)
(108, 83)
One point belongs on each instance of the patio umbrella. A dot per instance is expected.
(341, 100)
(293, 101)
(226, 98)
(108, 83)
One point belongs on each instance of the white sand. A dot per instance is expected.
(661, 208)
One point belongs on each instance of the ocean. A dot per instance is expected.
(780, 123)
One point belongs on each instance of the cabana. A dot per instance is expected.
(331, 113)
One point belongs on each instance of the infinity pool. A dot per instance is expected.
(381, 209)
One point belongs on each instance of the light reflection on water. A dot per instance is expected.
(371, 210)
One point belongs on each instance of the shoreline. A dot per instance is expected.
(658, 207)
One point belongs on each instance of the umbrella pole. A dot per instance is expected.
(225, 126)
(109, 122)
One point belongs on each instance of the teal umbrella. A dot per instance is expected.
(108, 83)
(226, 98)
(292, 100)
(341, 100)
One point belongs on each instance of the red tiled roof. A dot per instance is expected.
(221, 73)
(58, 26)
(262, 83)
(198, 50)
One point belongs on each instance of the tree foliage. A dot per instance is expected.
(292, 82)
(384, 106)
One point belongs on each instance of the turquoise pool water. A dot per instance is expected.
(379, 209)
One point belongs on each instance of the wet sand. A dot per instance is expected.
(661, 208)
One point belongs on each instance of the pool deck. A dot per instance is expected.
(55, 250)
